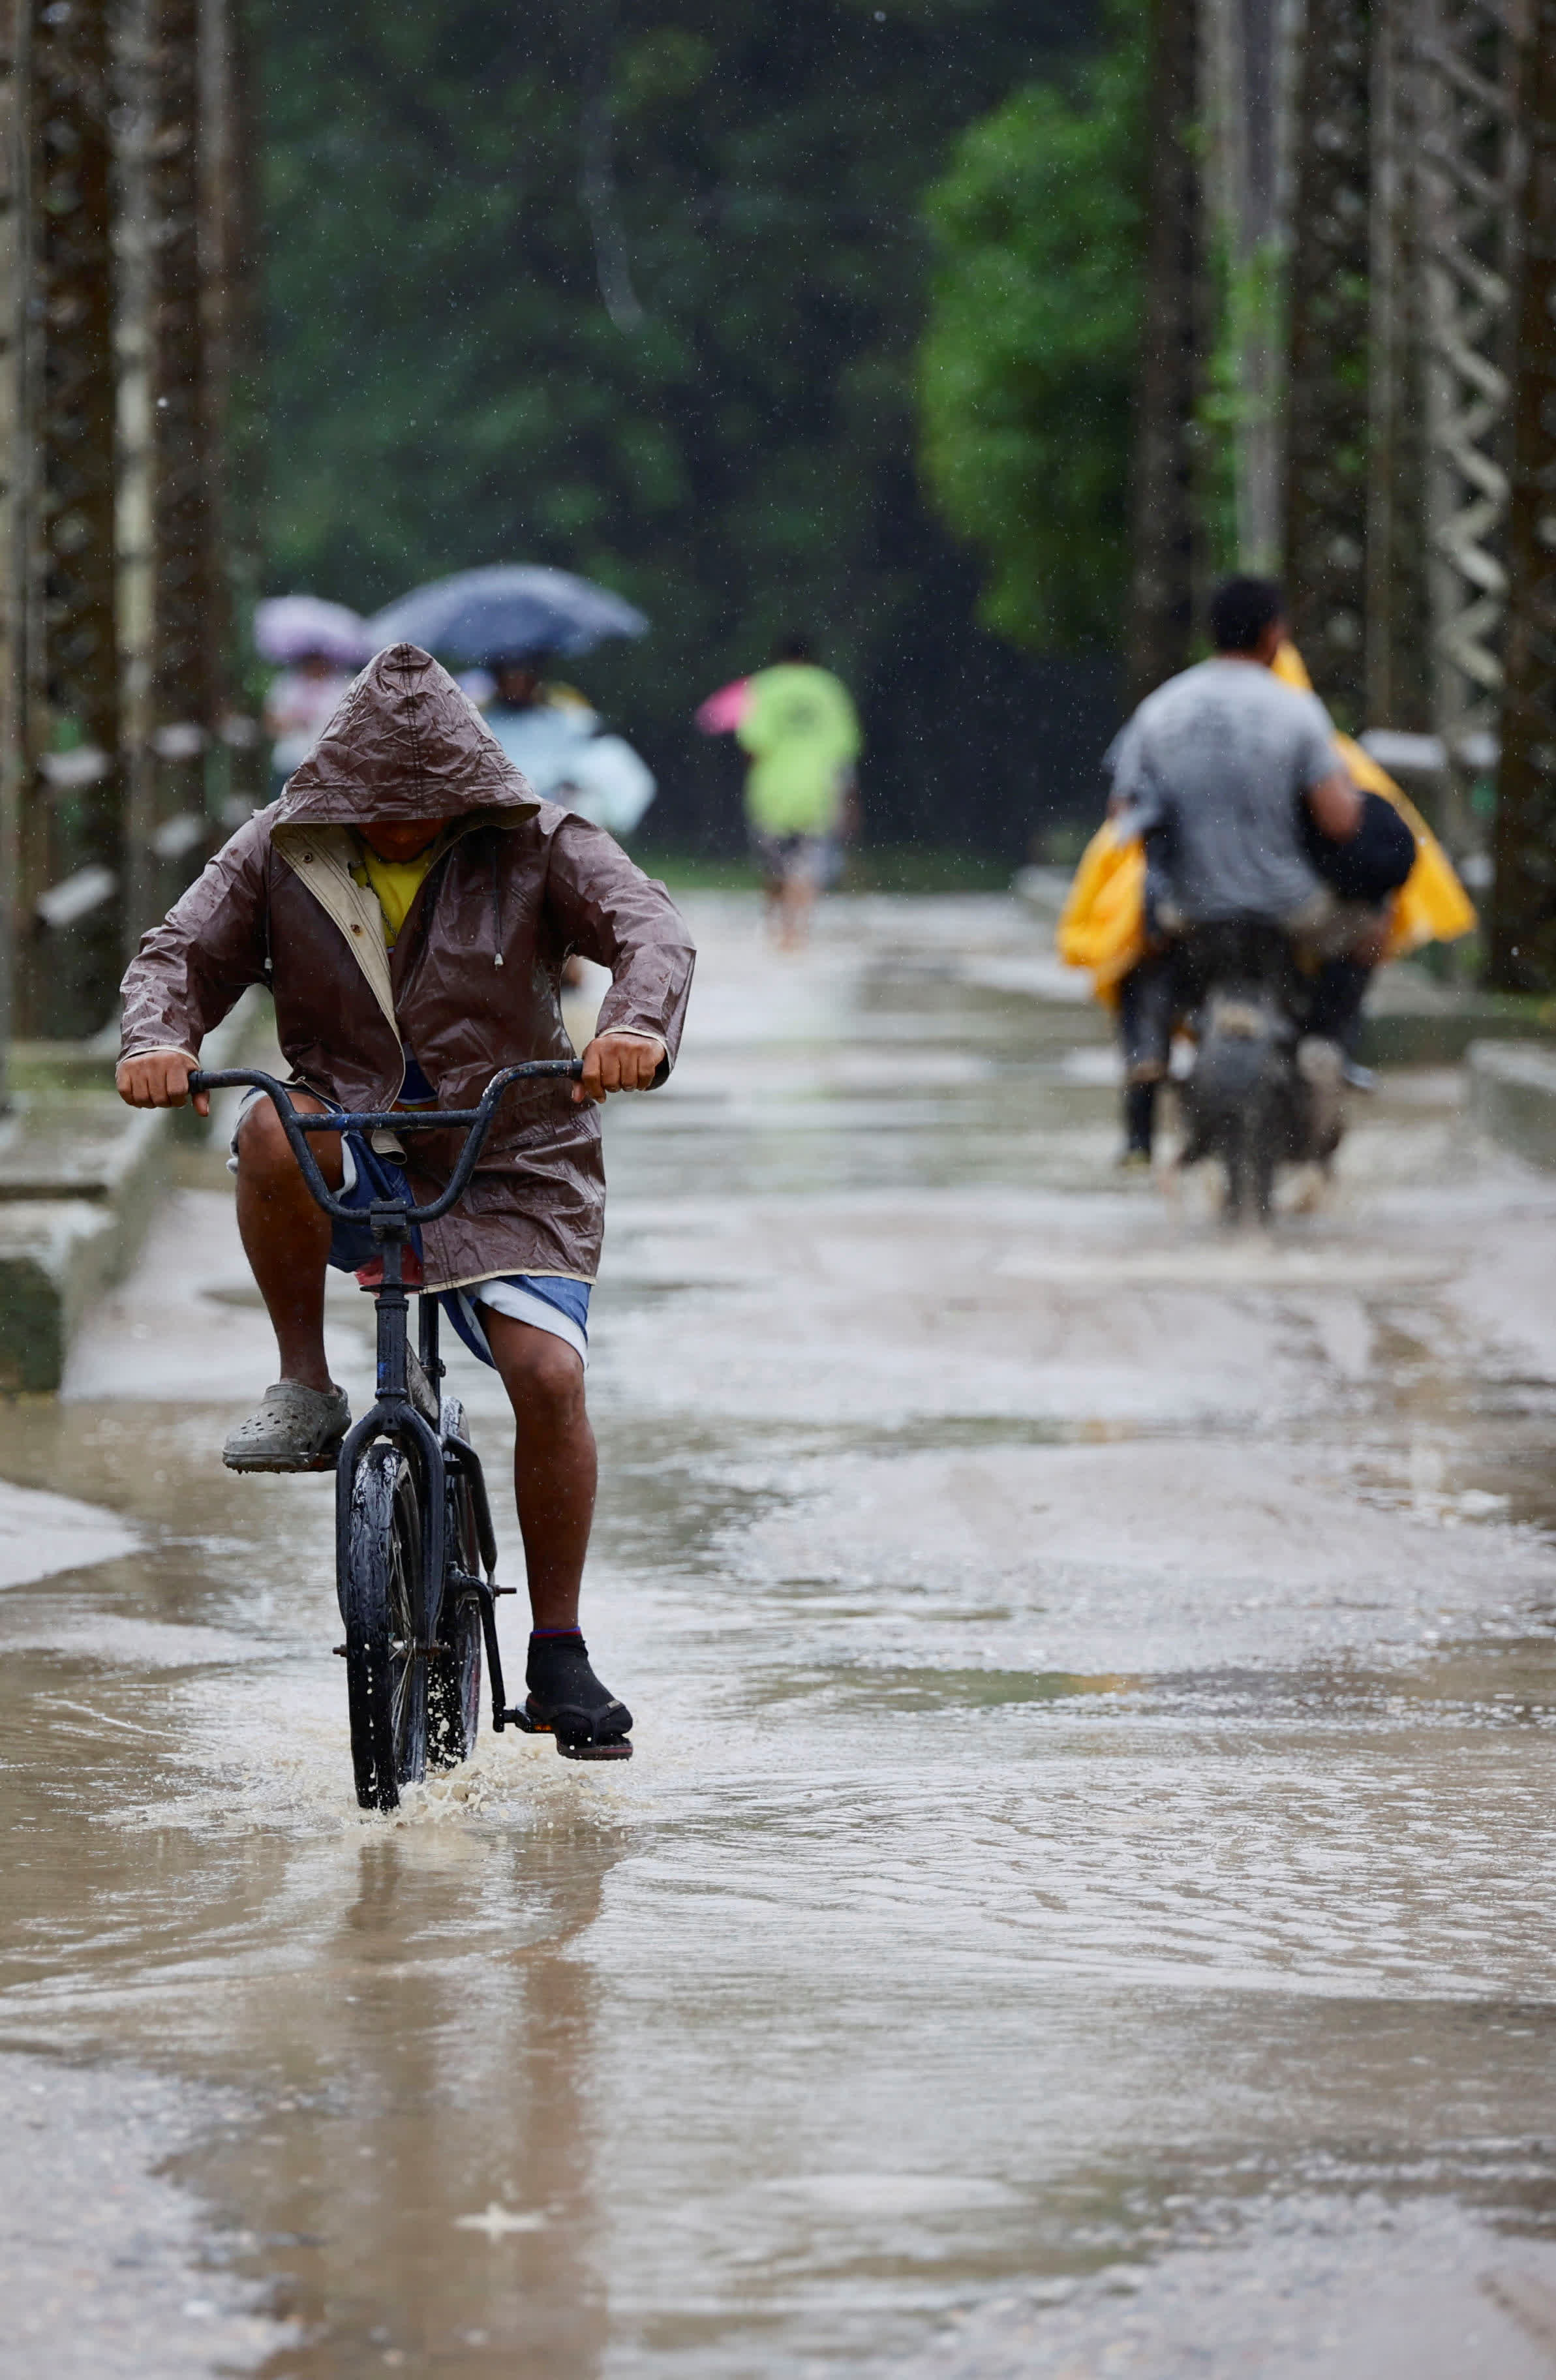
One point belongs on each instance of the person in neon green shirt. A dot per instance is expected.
(802, 732)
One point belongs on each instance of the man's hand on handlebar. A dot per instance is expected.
(160, 1078)
(614, 1062)
(618, 1061)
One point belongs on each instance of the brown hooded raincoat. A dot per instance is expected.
(472, 982)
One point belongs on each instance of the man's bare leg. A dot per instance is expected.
(553, 1480)
(554, 1464)
(287, 1237)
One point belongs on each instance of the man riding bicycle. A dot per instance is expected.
(412, 906)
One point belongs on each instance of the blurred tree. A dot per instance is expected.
(641, 296)
(1025, 368)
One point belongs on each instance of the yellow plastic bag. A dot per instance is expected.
(1102, 926)
(1431, 906)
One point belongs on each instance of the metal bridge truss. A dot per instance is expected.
(1523, 909)
(116, 182)
(1355, 445)
(1468, 54)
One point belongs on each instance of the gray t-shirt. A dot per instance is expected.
(1219, 757)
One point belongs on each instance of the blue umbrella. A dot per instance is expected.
(506, 612)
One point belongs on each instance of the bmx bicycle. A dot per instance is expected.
(415, 1555)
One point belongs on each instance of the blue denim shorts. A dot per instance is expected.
(549, 1302)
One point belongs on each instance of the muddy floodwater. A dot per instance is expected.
(1084, 1902)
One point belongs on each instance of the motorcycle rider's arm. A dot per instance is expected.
(1336, 806)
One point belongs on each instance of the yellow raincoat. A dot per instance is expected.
(1102, 926)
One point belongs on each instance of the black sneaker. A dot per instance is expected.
(567, 1700)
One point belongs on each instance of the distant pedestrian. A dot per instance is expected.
(300, 702)
(551, 734)
(802, 732)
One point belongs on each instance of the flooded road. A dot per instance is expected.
(1083, 1904)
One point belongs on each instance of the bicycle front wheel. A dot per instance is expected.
(383, 1603)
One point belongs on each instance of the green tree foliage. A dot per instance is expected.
(449, 191)
(1025, 368)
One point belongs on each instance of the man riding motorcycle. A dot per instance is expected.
(1231, 778)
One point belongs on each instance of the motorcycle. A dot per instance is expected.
(1257, 1094)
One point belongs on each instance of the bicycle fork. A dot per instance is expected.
(467, 1461)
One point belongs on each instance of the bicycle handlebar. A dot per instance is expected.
(477, 1121)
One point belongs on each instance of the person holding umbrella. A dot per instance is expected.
(319, 647)
(513, 620)
(552, 736)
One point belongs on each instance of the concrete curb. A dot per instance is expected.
(1513, 1096)
(1411, 1035)
(80, 1177)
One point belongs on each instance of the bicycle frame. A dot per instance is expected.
(396, 1414)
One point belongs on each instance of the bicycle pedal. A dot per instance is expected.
(525, 1724)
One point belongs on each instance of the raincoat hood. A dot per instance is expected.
(405, 744)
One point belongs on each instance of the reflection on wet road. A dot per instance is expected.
(1083, 1902)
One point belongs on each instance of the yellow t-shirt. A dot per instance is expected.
(395, 882)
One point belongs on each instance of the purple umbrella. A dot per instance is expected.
(288, 627)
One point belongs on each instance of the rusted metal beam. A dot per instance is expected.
(225, 322)
(71, 816)
(1248, 54)
(1398, 628)
(1167, 540)
(188, 609)
(184, 317)
(1522, 925)
(233, 216)
(15, 449)
(1328, 303)
(136, 117)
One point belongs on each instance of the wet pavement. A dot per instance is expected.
(1083, 1904)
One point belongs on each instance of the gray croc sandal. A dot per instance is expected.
(295, 1429)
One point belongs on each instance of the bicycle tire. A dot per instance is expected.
(384, 1607)
(454, 1682)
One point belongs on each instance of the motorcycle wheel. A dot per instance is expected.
(1251, 1160)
